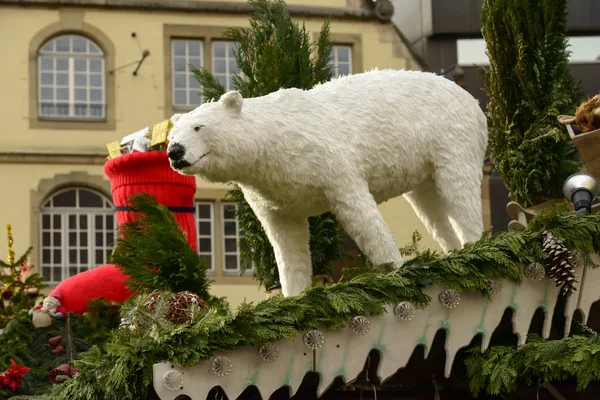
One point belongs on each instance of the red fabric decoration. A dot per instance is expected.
(11, 379)
(150, 172)
(129, 174)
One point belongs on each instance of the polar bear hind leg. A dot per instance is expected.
(430, 209)
(359, 215)
(460, 193)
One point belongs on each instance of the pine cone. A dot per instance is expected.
(560, 263)
(179, 305)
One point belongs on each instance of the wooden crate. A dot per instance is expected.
(588, 147)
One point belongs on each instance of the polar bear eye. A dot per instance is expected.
(197, 128)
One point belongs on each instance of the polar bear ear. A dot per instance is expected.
(175, 118)
(232, 100)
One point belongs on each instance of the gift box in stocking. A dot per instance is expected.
(130, 174)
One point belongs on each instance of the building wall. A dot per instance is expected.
(33, 153)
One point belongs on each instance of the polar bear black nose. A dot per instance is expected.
(175, 152)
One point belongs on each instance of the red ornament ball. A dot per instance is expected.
(7, 294)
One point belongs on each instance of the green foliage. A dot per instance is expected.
(274, 53)
(529, 86)
(153, 250)
(15, 281)
(26, 345)
(501, 369)
(124, 369)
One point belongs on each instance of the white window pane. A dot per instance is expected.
(95, 65)
(47, 79)
(180, 80)
(48, 46)
(80, 94)
(193, 83)
(471, 51)
(47, 63)
(179, 64)
(62, 79)
(232, 49)
(80, 65)
(93, 48)
(62, 64)
(79, 45)
(233, 68)
(194, 49)
(180, 97)
(220, 66)
(194, 61)
(584, 48)
(47, 93)
(62, 44)
(96, 110)
(62, 94)
(343, 54)
(195, 98)
(179, 47)
(80, 80)
(231, 262)
(343, 69)
(222, 79)
(96, 80)
(219, 49)
(81, 110)
(95, 95)
(62, 109)
(47, 109)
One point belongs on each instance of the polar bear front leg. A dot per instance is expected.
(357, 211)
(289, 236)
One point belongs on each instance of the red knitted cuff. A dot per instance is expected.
(144, 167)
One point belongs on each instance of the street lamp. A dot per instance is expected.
(581, 189)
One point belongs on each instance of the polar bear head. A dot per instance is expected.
(207, 140)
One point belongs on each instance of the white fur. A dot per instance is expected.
(345, 146)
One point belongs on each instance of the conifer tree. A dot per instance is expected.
(274, 53)
(529, 85)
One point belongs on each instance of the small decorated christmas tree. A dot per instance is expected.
(275, 53)
(19, 288)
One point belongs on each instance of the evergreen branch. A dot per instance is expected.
(154, 251)
(124, 369)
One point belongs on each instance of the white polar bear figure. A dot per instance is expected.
(344, 146)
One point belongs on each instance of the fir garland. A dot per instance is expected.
(501, 369)
(124, 369)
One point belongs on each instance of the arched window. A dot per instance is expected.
(71, 79)
(78, 228)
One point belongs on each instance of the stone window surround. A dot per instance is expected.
(48, 186)
(208, 34)
(72, 21)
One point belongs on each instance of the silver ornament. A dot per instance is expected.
(314, 339)
(221, 366)
(495, 286)
(360, 325)
(268, 352)
(535, 271)
(405, 311)
(450, 298)
(173, 380)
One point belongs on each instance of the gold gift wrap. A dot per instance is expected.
(160, 132)
(114, 149)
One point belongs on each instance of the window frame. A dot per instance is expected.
(207, 34)
(72, 24)
(64, 213)
(188, 74)
(211, 270)
(335, 62)
(71, 57)
(354, 41)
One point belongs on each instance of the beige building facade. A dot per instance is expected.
(69, 88)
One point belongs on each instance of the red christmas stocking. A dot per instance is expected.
(138, 172)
